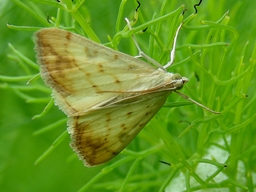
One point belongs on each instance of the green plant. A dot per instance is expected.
(212, 152)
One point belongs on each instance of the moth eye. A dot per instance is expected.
(176, 76)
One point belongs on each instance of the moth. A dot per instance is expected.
(107, 95)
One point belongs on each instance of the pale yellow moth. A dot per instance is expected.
(107, 95)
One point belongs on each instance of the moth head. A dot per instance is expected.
(178, 81)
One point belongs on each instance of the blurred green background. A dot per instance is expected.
(62, 171)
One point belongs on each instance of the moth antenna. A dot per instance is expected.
(195, 102)
(172, 54)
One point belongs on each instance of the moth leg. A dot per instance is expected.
(141, 53)
(172, 54)
(195, 102)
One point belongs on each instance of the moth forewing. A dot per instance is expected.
(83, 73)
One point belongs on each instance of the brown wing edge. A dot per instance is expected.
(49, 81)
